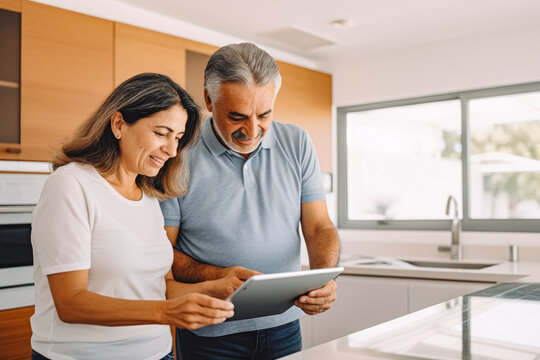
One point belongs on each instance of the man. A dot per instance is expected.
(253, 182)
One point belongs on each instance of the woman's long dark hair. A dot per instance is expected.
(136, 98)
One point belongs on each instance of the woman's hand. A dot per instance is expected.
(221, 288)
(240, 272)
(230, 279)
(194, 310)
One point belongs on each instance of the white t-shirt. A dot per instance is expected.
(81, 222)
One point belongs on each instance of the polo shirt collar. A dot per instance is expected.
(210, 139)
(215, 146)
(269, 139)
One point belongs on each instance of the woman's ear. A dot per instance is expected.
(117, 123)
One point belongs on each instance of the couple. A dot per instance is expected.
(104, 267)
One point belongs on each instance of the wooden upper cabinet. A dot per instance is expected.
(199, 47)
(197, 56)
(195, 66)
(305, 99)
(66, 72)
(11, 5)
(10, 62)
(70, 62)
(139, 50)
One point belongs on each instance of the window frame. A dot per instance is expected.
(468, 224)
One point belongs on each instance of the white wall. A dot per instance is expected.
(438, 68)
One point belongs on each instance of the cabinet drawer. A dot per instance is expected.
(15, 333)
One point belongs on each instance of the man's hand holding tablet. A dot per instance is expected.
(271, 294)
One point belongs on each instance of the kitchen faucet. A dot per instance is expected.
(455, 247)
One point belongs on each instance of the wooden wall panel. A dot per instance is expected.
(66, 72)
(15, 333)
(139, 50)
(305, 99)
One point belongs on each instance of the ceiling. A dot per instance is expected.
(379, 25)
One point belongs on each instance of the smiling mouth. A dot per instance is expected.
(157, 160)
(249, 141)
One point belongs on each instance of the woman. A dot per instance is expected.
(102, 260)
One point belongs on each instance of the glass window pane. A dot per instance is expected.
(505, 157)
(403, 162)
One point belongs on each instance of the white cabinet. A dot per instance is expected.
(362, 302)
(424, 293)
(306, 326)
(365, 301)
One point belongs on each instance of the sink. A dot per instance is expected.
(448, 265)
(431, 268)
(409, 263)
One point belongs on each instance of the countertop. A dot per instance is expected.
(522, 271)
(500, 322)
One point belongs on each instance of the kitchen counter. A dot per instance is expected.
(500, 322)
(522, 271)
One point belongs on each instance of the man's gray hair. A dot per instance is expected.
(244, 63)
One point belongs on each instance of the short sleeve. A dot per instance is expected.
(61, 230)
(312, 187)
(171, 211)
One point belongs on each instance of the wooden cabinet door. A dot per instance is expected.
(11, 5)
(66, 72)
(9, 90)
(139, 50)
(305, 99)
(15, 333)
(10, 43)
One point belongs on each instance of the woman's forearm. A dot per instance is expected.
(190, 311)
(86, 307)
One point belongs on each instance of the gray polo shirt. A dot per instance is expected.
(247, 212)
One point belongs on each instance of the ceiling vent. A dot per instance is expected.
(295, 38)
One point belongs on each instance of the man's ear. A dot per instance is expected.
(117, 123)
(207, 100)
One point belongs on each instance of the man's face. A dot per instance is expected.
(242, 115)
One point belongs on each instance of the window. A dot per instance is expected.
(399, 161)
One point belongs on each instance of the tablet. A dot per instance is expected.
(272, 294)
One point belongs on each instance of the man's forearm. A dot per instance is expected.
(323, 248)
(176, 289)
(187, 269)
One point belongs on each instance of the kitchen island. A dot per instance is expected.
(500, 322)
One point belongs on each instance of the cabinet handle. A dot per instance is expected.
(13, 151)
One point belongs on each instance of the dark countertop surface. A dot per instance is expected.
(500, 322)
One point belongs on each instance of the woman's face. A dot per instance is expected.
(147, 144)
